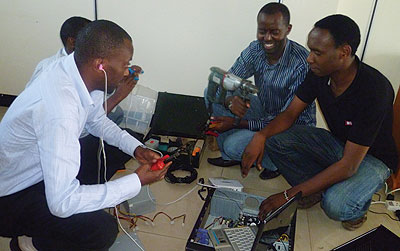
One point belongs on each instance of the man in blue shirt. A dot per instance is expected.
(278, 65)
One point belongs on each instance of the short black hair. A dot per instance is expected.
(71, 27)
(98, 40)
(273, 8)
(342, 29)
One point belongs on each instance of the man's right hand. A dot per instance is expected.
(253, 153)
(238, 106)
(147, 176)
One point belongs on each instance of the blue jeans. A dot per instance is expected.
(302, 152)
(233, 142)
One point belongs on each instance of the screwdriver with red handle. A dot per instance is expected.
(161, 162)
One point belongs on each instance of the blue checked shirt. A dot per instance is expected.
(277, 83)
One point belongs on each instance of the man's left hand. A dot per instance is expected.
(271, 203)
(146, 156)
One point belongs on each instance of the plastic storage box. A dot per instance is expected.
(139, 108)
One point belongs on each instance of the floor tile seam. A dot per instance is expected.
(309, 230)
(163, 235)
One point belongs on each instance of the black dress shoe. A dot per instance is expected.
(221, 162)
(14, 244)
(267, 174)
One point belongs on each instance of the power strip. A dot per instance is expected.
(392, 205)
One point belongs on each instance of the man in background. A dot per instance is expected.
(279, 66)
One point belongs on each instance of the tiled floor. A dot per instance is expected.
(314, 230)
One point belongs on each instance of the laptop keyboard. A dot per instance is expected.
(241, 239)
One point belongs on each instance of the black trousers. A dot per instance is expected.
(26, 212)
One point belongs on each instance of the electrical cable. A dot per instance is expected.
(171, 178)
(105, 159)
(377, 202)
(386, 188)
(172, 202)
(385, 214)
(379, 196)
(394, 190)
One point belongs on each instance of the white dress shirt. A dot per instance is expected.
(46, 62)
(39, 140)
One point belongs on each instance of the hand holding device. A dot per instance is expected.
(160, 164)
(147, 176)
(135, 70)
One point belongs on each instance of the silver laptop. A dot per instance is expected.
(253, 238)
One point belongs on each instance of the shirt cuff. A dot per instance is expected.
(129, 186)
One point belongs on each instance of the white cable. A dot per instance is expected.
(204, 185)
(378, 202)
(154, 150)
(172, 202)
(105, 159)
(130, 237)
(386, 188)
(395, 190)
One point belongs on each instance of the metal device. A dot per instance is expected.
(221, 81)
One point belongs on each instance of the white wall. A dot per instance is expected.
(383, 48)
(360, 11)
(304, 15)
(177, 41)
(30, 32)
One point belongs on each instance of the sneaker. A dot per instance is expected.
(309, 201)
(352, 225)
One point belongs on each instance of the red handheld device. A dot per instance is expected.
(159, 164)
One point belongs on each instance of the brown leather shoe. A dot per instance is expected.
(267, 174)
(309, 201)
(352, 225)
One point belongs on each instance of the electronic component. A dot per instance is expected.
(152, 143)
(202, 236)
(392, 205)
(225, 183)
(141, 203)
(219, 239)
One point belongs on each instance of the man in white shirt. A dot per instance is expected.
(40, 196)
(89, 173)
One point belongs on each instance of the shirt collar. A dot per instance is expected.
(285, 58)
(77, 80)
(63, 52)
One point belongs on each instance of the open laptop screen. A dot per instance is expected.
(278, 223)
